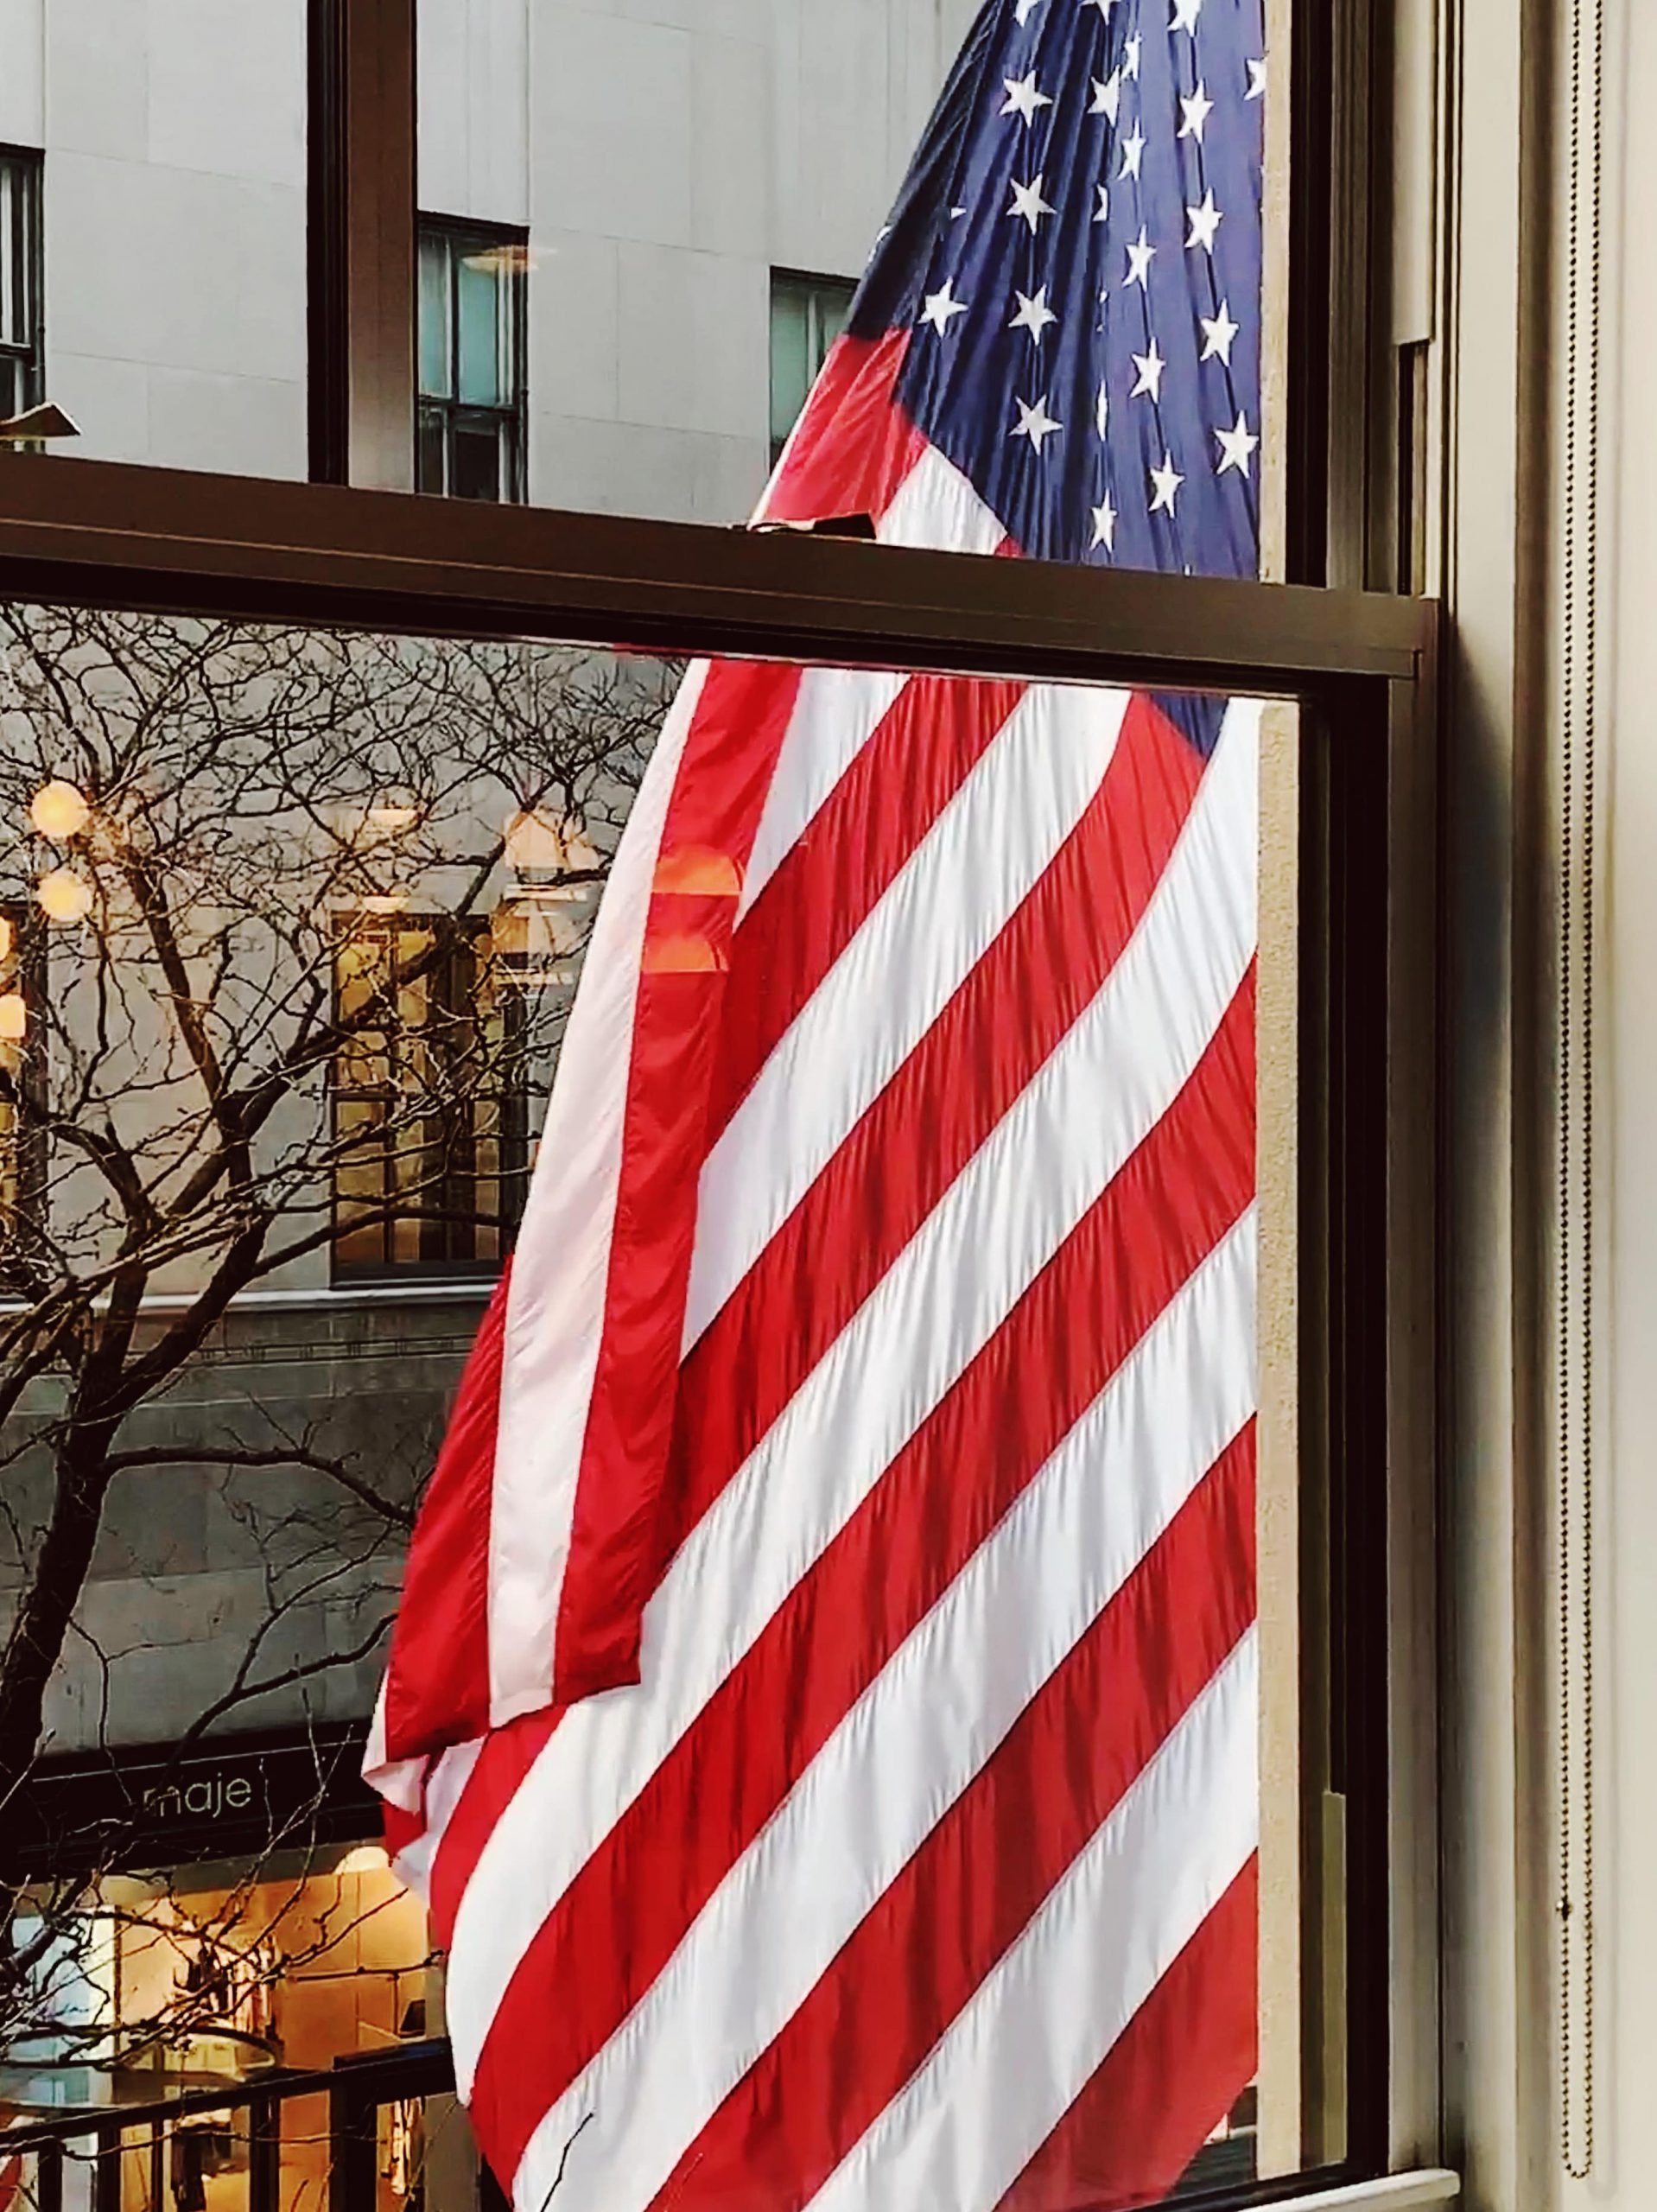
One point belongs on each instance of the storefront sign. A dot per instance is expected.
(132, 1810)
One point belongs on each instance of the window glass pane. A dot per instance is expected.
(791, 365)
(1007, 1377)
(673, 172)
(479, 459)
(431, 465)
(482, 379)
(436, 366)
(12, 327)
(21, 347)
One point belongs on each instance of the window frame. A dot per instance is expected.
(509, 417)
(812, 285)
(28, 359)
(1364, 668)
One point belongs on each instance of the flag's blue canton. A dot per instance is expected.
(1077, 253)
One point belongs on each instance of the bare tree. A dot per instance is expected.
(317, 902)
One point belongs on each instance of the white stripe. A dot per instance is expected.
(450, 1774)
(401, 1782)
(936, 507)
(1015, 2058)
(1092, 1104)
(838, 709)
(945, 907)
(913, 1742)
(836, 712)
(554, 1310)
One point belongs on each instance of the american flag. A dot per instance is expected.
(821, 1710)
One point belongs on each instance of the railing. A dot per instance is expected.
(373, 2126)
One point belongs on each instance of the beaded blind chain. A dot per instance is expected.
(1575, 1228)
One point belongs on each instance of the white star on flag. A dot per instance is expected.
(1218, 331)
(1256, 81)
(1103, 214)
(1024, 10)
(1184, 16)
(1106, 95)
(1101, 412)
(1103, 6)
(1028, 203)
(1167, 480)
(1150, 366)
(1104, 525)
(942, 307)
(1195, 111)
(1034, 314)
(1024, 97)
(1131, 55)
(1205, 221)
(1139, 258)
(1133, 152)
(1034, 422)
(1236, 445)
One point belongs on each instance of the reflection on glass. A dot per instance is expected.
(379, 860)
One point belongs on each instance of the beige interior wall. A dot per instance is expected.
(1517, 545)
(1496, 2047)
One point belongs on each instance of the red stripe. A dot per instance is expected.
(1188, 2053)
(931, 1510)
(726, 771)
(984, 1871)
(936, 732)
(854, 445)
(437, 1680)
(504, 1760)
(1005, 1020)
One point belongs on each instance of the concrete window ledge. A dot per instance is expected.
(1395, 2193)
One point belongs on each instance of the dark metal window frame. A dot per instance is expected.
(28, 357)
(1363, 667)
(510, 417)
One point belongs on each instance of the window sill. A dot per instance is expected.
(1393, 2193)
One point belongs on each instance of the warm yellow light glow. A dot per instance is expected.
(64, 895)
(392, 817)
(14, 1018)
(58, 811)
(5, 937)
(511, 258)
(366, 1859)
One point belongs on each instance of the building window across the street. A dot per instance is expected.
(472, 360)
(22, 350)
(429, 1103)
(807, 314)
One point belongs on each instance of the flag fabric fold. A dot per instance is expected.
(820, 1711)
